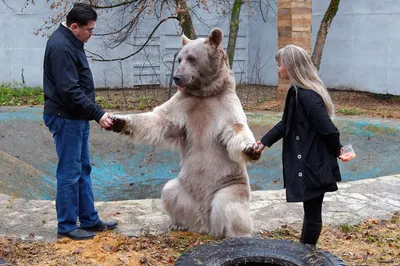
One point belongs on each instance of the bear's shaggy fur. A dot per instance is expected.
(206, 122)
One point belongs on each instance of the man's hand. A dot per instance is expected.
(105, 121)
(118, 124)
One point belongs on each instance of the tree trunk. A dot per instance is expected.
(233, 30)
(323, 32)
(184, 18)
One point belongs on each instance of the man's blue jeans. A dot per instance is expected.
(74, 196)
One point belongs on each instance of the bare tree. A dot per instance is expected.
(265, 8)
(184, 18)
(323, 32)
(256, 74)
(104, 78)
(233, 30)
(120, 74)
(172, 74)
(126, 16)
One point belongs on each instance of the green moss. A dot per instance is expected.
(346, 111)
(263, 120)
(332, 10)
(349, 228)
(10, 95)
(380, 129)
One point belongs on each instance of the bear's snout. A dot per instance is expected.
(177, 80)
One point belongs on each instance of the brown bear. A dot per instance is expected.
(205, 121)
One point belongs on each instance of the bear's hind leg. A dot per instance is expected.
(179, 205)
(230, 214)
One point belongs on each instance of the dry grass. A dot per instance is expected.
(372, 242)
(254, 97)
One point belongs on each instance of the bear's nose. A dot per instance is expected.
(177, 80)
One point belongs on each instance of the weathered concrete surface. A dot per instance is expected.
(123, 170)
(354, 201)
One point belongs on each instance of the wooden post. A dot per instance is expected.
(294, 27)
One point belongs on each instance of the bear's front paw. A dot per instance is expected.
(251, 151)
(177, 227)
(118, 124)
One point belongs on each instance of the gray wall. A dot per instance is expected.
(359, 53)
(361, 50)
(21, 49)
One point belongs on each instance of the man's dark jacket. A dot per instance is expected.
(311, 146)
(67, 81)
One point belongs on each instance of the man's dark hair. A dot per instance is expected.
(81, 14)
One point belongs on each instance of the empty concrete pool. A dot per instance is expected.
(123, 170)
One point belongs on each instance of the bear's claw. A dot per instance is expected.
(250, 151)
(118, 124)
(177, 227)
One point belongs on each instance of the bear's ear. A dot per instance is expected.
(185, 40)
(215, 37)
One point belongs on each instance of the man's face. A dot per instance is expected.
(85, 32)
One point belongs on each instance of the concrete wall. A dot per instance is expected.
(22, 52)
(359, 53)
(19, 47)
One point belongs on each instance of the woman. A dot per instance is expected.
(311, 141)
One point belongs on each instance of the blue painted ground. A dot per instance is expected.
(123, 170)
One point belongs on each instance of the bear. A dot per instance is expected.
(205, 121)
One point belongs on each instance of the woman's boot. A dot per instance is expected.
(310, 232)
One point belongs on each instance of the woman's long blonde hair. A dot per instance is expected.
(302, 73)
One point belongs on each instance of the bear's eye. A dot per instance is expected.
(191, 58)
(179, 60)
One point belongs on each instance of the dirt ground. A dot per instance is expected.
(255, 97)
(372, 242)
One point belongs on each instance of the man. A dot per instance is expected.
(69, 105)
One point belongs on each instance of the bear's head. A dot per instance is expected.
(203, 67)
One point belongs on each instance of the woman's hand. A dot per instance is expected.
(260, 147)
(347, 156)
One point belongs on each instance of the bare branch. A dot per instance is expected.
(267, 6)
(112, 6)
(123, 36)
(94, 54)
(141, 48)
(115, 32)
(4, 1)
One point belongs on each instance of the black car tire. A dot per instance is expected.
(257, 252)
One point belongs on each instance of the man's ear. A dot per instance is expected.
(215, 37)
(185, 40)
(74, 26)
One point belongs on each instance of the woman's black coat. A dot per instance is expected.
(311, 146)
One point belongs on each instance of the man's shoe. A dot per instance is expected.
(77, 234)
(101, 226)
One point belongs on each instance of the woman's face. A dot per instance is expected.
(282, 71)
